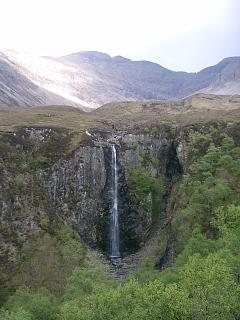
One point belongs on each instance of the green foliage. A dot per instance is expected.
(146, 190)
(20, 240)
(40, 305)
(84, 282)
(210, 183)
(199, 244)
(20, 314)
(226, 161)
(147, 160)
(36, 162)
(141, 183)
(73, 253)
(72, 249)
(66, 234)
(130, 301)
(11, 157)
(48, 261)
(146, 273)
(198, 141)
(202, 283)
(19, 183)
(227, 218)
(5, 287)
(74, 142)
(227, 144)
(153, 131)
(44, 224)
(211, 286)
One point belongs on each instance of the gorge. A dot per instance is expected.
(120, 160)
(130, 188)
(119, 166)
(104, 189)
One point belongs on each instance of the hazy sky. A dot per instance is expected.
(178, 34)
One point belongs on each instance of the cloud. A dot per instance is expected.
(136, 29)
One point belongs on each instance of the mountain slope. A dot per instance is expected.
(91, 79)
(225, 77)
(21, 85)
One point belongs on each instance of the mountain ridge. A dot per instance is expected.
(89, 79)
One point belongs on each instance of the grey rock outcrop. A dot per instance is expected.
(80, 186)
(76, 186)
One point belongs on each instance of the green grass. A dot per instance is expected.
(74, 142)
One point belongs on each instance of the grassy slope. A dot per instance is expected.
(196, 109)
(46, 116)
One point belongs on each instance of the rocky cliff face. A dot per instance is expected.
(80, 185)
(44, 183)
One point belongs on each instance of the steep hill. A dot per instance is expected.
(91, 79)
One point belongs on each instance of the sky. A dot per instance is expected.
(178, 34)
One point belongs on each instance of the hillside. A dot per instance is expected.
(91, 79)
(168, 170)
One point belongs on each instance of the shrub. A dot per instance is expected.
(44, 224)
(48, 261)
(41, 305)
(84, 282)
(19, 182)
(36, 162)
(19, 314)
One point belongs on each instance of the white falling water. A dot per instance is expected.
(114, 226)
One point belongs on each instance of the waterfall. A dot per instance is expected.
(114, 226)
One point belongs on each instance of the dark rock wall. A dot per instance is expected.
(80, 186)
(40, 179)
(76, 186)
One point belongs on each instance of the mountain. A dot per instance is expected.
(90, 79)
(28, 81)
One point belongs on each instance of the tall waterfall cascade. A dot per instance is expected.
(114, 223)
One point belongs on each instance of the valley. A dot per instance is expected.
(168, 170)
(120, 160)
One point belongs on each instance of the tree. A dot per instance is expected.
(210, 283)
